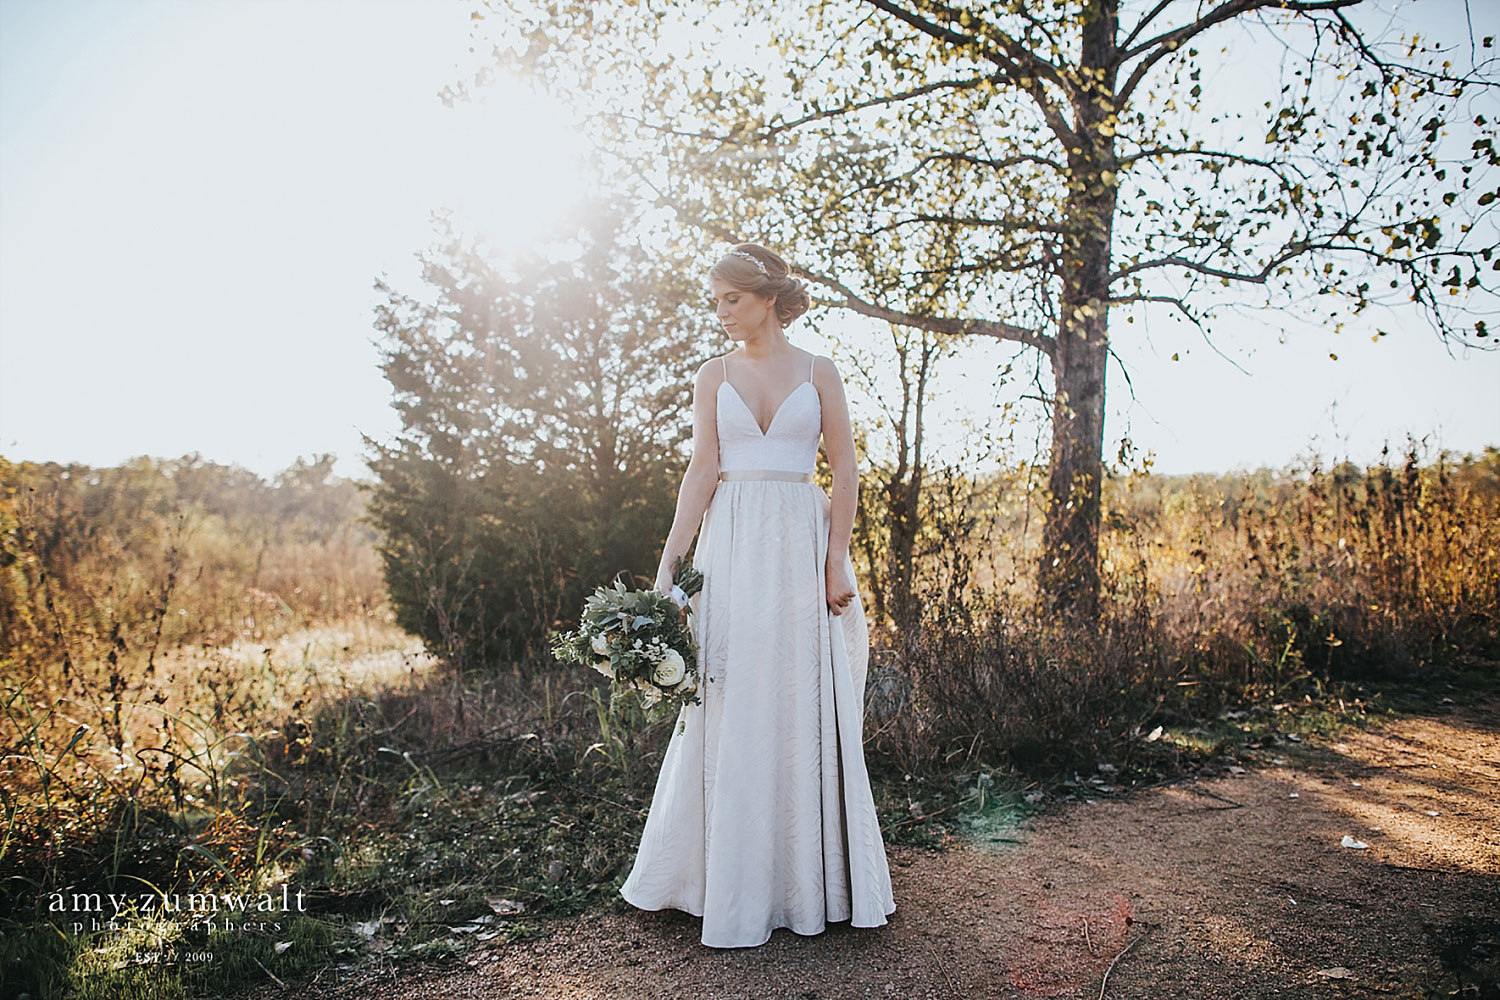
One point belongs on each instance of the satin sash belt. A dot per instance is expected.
(790, 477)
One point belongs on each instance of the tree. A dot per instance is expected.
(540, 440)
(1023, 170)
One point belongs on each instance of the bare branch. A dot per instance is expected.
(1213, 154)
(984, 327)
(1141, 24)
(1168, 42)
(1020, 66)
(1013, 224)
(873, 103)
(1352, 33)
(1017, 263)
(926, 27)
(1003, 163)
(1181, 307)
(1016, 60)
(1258, 278)
(926, 161)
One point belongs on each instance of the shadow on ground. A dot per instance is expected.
(1236, 886)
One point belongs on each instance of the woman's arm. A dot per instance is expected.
(701, 479)
(838, 444)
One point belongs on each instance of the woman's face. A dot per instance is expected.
(742, 313)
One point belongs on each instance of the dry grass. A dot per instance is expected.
(1217, 591)
(207, 690)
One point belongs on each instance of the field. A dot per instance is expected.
(206, 692)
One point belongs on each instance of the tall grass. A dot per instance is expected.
(202, 687)
(154, 620)
(1217, 590)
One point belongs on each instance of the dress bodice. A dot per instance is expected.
(790, 444)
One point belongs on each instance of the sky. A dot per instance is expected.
(197, 196)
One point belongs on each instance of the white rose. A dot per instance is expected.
(601, 644)
(650, 695)
(670, 669)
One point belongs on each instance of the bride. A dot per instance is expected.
(763, 814)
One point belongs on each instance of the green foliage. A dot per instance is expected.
(1025, 171)
(541, 439)
(625, 635)
(954, 162)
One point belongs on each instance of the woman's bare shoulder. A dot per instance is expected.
(823, 367)
(711, 370)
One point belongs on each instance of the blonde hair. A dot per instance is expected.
(751, 267)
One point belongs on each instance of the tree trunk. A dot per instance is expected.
(903, 491)
(1069, 577)
(901, 504)
(1069, 572)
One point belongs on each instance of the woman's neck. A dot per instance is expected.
(766, 344)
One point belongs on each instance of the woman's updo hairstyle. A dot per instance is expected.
(750, 267)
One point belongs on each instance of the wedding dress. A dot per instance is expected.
(763, 815)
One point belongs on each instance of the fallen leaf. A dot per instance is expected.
(1337, 972)
(1349, 841)
(1293, 795)
(505, 907)
(1429, 812)
(282, 946)
(1154, 735)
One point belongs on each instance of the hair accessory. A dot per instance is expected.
(751, 258)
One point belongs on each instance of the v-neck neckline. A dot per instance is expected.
(767, 431)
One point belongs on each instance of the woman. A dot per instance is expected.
(762, 815)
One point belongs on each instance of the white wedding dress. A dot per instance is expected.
(763, 815)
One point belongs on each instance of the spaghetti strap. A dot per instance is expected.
(810, 367)
(725, 362)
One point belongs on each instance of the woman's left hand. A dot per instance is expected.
(840, 586)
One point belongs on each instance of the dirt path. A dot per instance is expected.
(1223, 887)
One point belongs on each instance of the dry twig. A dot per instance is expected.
(941, 967)
(1111, 968)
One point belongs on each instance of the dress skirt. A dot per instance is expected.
(763, 815)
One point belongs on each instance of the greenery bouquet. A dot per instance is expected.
(642, 641)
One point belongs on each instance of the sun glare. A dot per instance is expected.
(513, 168)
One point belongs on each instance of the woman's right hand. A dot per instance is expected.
(663, 580)
(664, 584)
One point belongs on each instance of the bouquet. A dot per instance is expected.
(641, 641)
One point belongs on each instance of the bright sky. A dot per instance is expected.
(197, 196)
